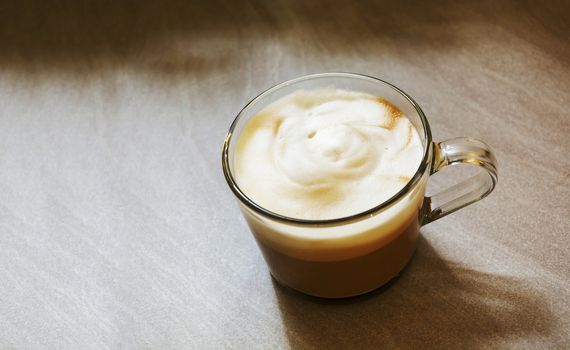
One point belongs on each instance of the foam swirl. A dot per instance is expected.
(322, 154)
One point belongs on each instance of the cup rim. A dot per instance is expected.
(248, 202)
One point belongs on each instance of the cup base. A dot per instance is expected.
(343, 278)
(361, 295)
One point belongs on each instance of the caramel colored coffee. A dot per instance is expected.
(342, 275)
(328, 154)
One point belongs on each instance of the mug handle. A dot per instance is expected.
(461, 150)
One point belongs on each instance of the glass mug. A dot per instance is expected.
(353, 255)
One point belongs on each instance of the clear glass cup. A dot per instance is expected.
(352, 255)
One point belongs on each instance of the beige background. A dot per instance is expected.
(118, 231)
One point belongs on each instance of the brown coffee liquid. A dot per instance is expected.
(343, 278)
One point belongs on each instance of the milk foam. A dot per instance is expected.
(327, 153)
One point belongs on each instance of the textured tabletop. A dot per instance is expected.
(118, 231)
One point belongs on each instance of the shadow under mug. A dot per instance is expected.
(352, 255)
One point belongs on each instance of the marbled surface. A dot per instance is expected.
(117, 229)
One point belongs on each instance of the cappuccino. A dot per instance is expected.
(326, 154)
(330, 171)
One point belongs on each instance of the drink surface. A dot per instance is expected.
(326, 154)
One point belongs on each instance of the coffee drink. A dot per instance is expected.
(326, 154)
(330, 172)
